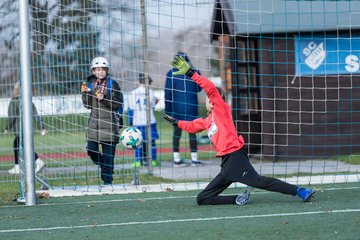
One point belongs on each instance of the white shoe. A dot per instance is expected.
(180, 163)
(39, 164)
(196, 163)
(242, 198)
(15, 169)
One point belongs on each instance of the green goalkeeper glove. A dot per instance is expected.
(183, 66)
(170, 119)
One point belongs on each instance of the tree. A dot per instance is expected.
(9, 47)
(65, 36)
(63, 41)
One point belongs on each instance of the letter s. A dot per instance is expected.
(352, 63)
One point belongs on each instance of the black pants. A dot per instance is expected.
(16, 147)
(235, 167)
(105, 159)
(176, 140)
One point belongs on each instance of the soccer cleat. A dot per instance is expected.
(242, 198)
(181, 163)
(39, 164)
(305, 193)
(155, 163)
(15, 169)
(136, 164)
(196, 163)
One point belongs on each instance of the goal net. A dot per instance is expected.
(290, 70)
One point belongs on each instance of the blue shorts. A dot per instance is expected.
(154, 132)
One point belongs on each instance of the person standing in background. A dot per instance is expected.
(103, 96)
(13, 124)
(181, 102)
(137, 105)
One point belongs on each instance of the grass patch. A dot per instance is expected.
(350, 159)
(8, 191)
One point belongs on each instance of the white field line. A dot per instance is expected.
(158, 198)
(128, 188)
(178, 220)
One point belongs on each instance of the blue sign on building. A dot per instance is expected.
(316, 55)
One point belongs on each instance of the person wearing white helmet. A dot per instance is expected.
(99, 62)
(103, 96)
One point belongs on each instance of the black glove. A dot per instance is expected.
(170, 119)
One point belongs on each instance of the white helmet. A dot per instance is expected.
(99, 62)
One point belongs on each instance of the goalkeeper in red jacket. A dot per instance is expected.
(235, 164)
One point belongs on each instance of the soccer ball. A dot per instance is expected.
(131, 137)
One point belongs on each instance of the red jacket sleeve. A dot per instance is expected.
(194, 126)
(219, 105)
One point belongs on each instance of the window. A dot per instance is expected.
(247, 76)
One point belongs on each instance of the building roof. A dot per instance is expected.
(254, 17)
